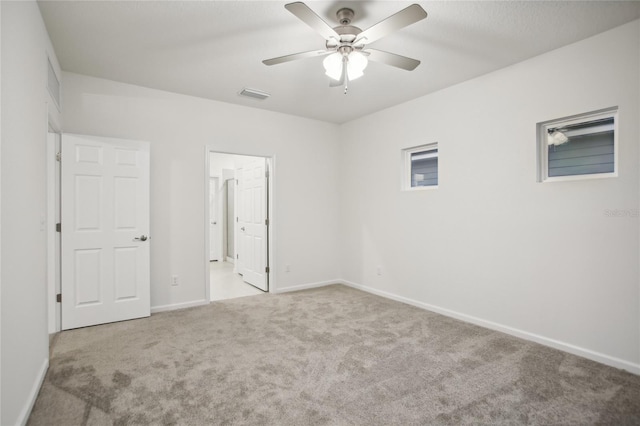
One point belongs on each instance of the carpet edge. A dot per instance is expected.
(556, 344)
(174, 306)
(307, 286)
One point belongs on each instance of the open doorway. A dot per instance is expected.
(238, 231)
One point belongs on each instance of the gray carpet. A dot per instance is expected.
(331, 355)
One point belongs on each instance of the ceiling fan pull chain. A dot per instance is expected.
(345, 74)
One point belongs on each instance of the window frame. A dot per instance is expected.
(543, 146)
(406, 166)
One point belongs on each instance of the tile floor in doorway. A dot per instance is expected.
(225, 284)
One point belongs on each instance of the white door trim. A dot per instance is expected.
(53, 243)
(271, 207)
(54, 317)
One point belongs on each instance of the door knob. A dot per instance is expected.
(141, 238)
(242, 229)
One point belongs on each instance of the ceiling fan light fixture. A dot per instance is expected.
(345, 58)
(356, 64)
(333, 66)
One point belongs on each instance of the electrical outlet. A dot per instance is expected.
(379, 270)
(287, 268)
(175, 280)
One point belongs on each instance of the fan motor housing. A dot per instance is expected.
(347, 33)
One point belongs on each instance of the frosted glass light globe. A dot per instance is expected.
(356, 64)
(333, 66)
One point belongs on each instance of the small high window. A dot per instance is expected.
(578, 147)
(420, 165)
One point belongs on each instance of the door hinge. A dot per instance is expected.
(59, 298)
(58, 156)
(58, 227)
(266, 173)
(236, 219)
(266, 269)
(237, 256)
(266, 222)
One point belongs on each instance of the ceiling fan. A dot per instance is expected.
(346, 48)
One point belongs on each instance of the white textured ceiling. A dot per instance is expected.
(212, 49)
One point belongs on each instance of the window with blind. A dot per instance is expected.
(583, 146)
(420, 167)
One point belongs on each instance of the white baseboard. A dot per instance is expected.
(33, 395)
(556, 344)
(307, 286)
(174, 306)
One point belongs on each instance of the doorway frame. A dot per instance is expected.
(54, 311)
(271, 202)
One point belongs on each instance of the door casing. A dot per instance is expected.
(53, 237)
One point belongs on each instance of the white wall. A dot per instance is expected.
(491, 244)
(25, 343)
(179, 127)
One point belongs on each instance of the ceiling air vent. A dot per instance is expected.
(253, 93)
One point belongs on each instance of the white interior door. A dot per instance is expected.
(214, 233)
(105, 229)
(253, 229)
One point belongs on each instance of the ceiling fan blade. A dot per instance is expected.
(296, 56)
(393, 59)
(405, 17)
(309, 17)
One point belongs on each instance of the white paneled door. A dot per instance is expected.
(105, 230)
(252, 234)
